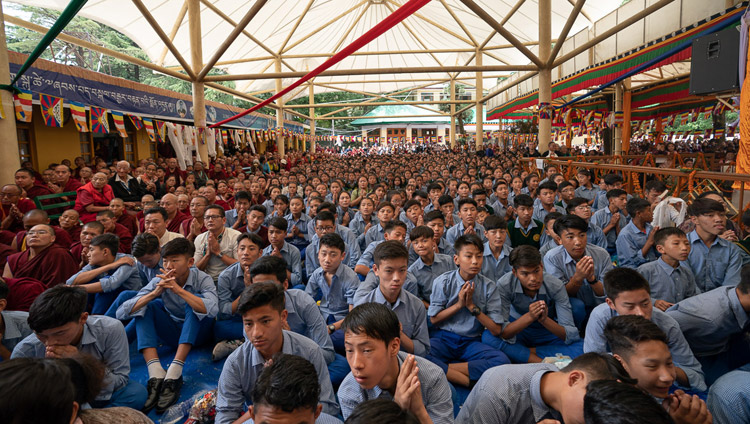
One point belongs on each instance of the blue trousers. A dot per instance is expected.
(101, 302)
(337, 337)
(229, 329)
(123, 297)
(736, 356)
(546, 344)
(132, 395)
(579, 312)
(338, 369)
(447, 348)
(156, 324)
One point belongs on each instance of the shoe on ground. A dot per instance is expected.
(154, 388)
(224, 348)
(170, 393)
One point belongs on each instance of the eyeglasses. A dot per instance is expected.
(210, 217)
(325, 228)
(36, 232)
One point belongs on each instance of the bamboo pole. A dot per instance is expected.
(577, 7)
(196, 56)
(164, 38)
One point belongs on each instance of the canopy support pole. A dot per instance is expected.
(11, 160)
(279, 113)
(617, 139)
(478, 108)
(545, 73)
(311, 100)
(453, 113)
(626, 130)
(196, 59)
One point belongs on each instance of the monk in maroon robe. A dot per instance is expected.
(43, 260)
(107, 219)
(33, 188)
(80, 249)
(13, 208)
(38, 217)
(93, 197)
(174, 216)
(70, 222)
(117, 206)
(22, 292)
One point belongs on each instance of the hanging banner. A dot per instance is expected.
(149, 125)
(78, 112)
(161, 130)
(22, 103)
(52, 108)
(119, 120)
(137, 121)
(99, 121)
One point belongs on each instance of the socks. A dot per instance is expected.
(175, 369)
(155, 369)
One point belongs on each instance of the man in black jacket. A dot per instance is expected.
(125, 186)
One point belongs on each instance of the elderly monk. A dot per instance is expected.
(33, 188)
(43, 260)
(194, 226)
(126, 186)
(37, 217)
(107, 219)
(13, 208)
(85, 175)
(70, 222)
(183, 202)
(94, 197)
(117, 207)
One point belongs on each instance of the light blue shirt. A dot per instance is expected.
(630, 243)
(546, 247)
(358, 224)
(244, 365)
(311, 254)
(500, 209)
(596, 236)
(443, 247)
(540, 213)
(436, 392)
(729, 397)
(125, 276)
(678, 345)
(588, 193)
(486, 297)
(230, 285)
(16, 328)
(104, 339)
(372, 282)
(293, 261)
(710, 319)
(336, 298)
(147, 274)
(457, 231)
(559, 263)
(601, 219)
(411, 314)
(301, 224)
(516, 303)
(669, 284)
(495, 268)
(715, 266)
(375, 233)
(367, 258)
(426, 274)
(198, 283)
(231, 217)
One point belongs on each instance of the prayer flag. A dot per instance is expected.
(99, 121)
(52, 110)
(78, 112)
(149, 124)
(22, 103)
(119, 120)
(137, 122)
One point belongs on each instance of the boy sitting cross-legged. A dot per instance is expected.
(496, 250)
(537, 311)
(178, 307)
(429, 264)
(462, 305)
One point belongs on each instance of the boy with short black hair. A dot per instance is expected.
(653, 191)
(297, 220)
(537, 311)
(413, 214)
(467, 211)
(611, 217)
(385, 212)
(579, 207)
(177, 307)
(263, 313)
(525, 229)
(628, 294)
(436, 221)
(429, 263)
(277, 228)
(434, 191)
(63, 329)
(546, 194)
(580, 265)
(480, 196)
(256, 215)
(551, 239)
(496, 251)
(586, 189)
(714, 261)
(567, 192)
(641, 347)
(334, 284)
(13, 324)
(363, 220)
(381, 369)
(107, 274)
(325, 223)
(635, 243)
(501, 206)
(393, 230)
(447, 207)
(390, 266)
(670, 280)
(463, 304)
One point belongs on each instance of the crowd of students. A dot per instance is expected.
(407, 287)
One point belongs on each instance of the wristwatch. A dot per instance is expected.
(331, 328)
(592, 282)
(475, 311)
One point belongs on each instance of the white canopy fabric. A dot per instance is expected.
(306, 32)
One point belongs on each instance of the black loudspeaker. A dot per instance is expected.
(715, 62)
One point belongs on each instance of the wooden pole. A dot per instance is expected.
(196, 56)
(10, 159)
(626, 129)
(564, 34)
(618, 129)
(311, 100)
(453, 113)
(164, 37)
(545, 73)
(479, 110)
(279, 113)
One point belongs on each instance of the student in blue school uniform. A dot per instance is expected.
(363, 220)
(436, 221)
(352, 247)
(467, 212)
(177, 307)
(394, 230)
(413, 214)
(714, 261)
(546, 204)
(729, 397)
(537, 311)
(715, 324)
(385, 212)
(463, 304)
(671, 281)
(552, 239)
(297, 220)
(334, 284)
(107, 274)
(63, 329)
(380, 368)
(641, 347)
(429, 264)
(277, 246)
(580, 265)
(611, 182)
(447, 207)
(628, 294)
(586, 188)
(391, 260)
(263, 314)
(228, 327)
(635, 243)
(612, 217)
(578, 206)
(525, 229)
(13, 324)
(496, 251)
(325, 223)
(501, 204)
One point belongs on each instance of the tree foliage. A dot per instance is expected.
(461, 94)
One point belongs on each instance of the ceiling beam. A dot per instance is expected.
(458, 21)
(433, 23)
(375, 97)
(404, 102)
(241, 25)
(414, 34)
(173, 33)
(318, 29)
(330, 118)
(296, 25)
(373, 71)
(511, 12)
(344, 82)
(564, 33)
(164, 38)
(583, 12)
(226, 17)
